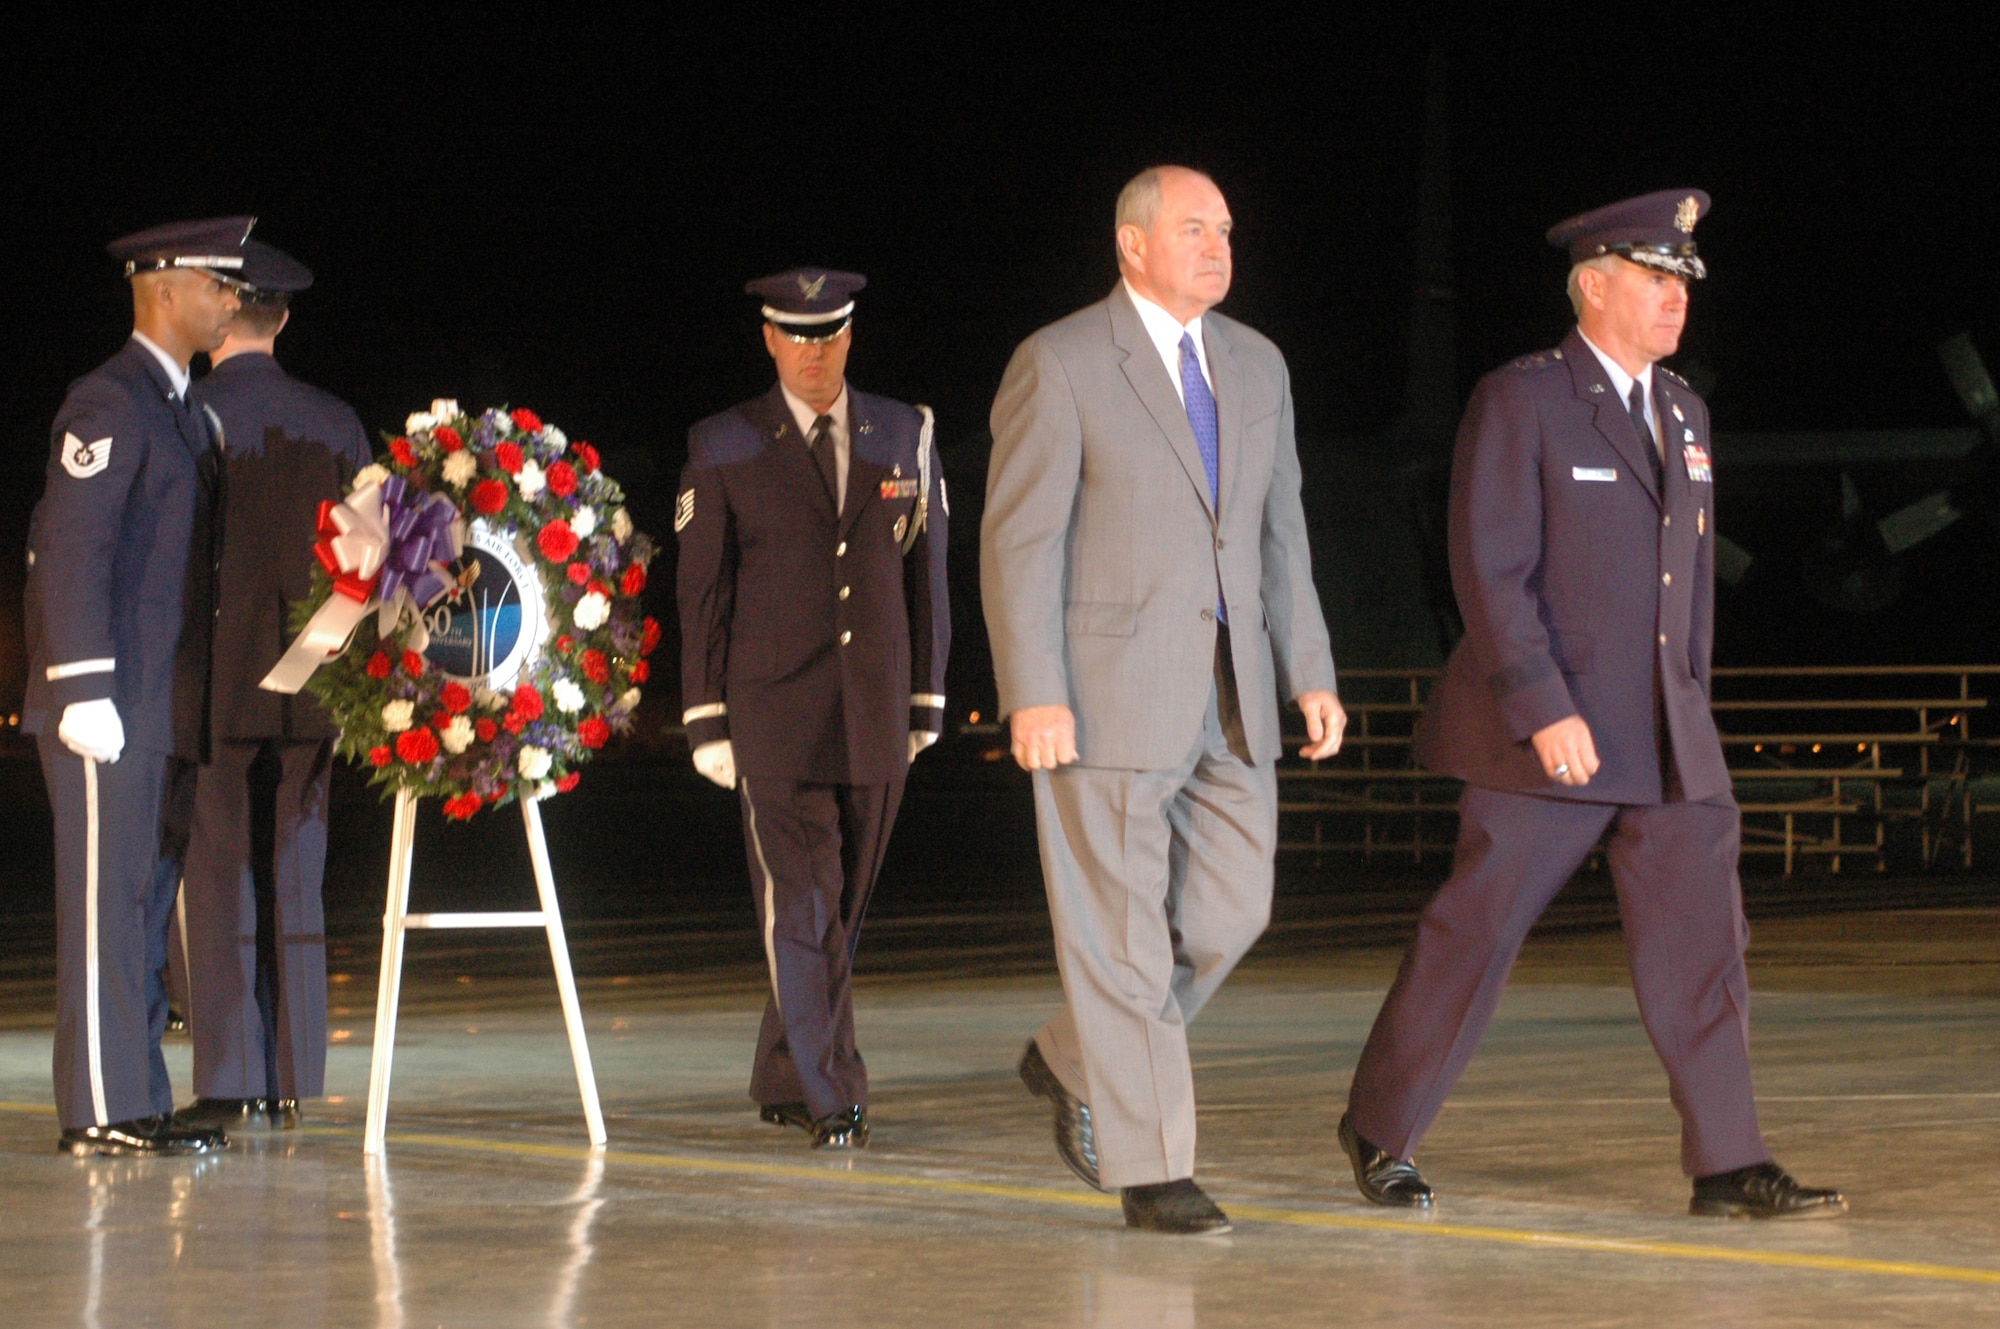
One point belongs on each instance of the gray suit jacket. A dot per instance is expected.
(1101, 556)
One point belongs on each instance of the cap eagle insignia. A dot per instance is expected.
(811, 289)
(1686, 215)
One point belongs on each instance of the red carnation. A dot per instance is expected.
(514, 722)
(379, 666)
(507, 456)
(379, 756)
(579, 573)
(562, 479)
(565, 783)
(601, 586)
(557, 541)
(527, 702)
(486, 728)
(413, 664)
(596, 668)
(634, 580)
(456, 697)
(440, 719)
(593, 732)
(462, 807)
(651, 637)
(641, 671)
(525, 420)
(447, 438)
(585, 454)
(564, 643)
(489, 496)
(405, 455)
(417, 746)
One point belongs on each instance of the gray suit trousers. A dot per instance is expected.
(1158, 882)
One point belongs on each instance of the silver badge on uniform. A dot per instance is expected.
(683, 511)
(82, 459)
(902, 524)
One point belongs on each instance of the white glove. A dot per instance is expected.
(919, 740)
(717, 761)
(92, 729)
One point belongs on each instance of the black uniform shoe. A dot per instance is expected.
(845, 1129)
(145, 1137)
(227, 1113)
(1180, 1207)
(176, 1022)
(1383, 1177)
(1762, 1190)
(283, 1113)
(1076, 1138)
(786, 1114)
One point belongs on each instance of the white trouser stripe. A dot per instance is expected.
(187, 966)
(770, 899)
(93, 1037)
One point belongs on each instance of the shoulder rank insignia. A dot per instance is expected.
(82, 459)
(683, 511)
(893, 489)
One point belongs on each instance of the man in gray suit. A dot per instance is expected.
(1149, 592)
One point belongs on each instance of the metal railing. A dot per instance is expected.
(1831, 765)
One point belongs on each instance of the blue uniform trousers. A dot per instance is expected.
(111, 936)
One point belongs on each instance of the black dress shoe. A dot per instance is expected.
(1383, 1177)
(282, 1112)
(228, 1113)
(1180, 1207)
(176, 1022)
(845, 1129)
(786, 1114)
(146, 1137)
(1762, 1190)
(1076, 1138)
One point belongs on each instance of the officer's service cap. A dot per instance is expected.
(215, 246)
(808, 304)
(1653, 230)
(268, 269)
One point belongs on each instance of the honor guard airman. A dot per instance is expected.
(814, 629)
(255, 930)
(107, 554)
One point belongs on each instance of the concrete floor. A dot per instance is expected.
(1878, 1058)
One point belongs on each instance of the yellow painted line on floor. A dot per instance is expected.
(1670, 1250)
(40, 1109)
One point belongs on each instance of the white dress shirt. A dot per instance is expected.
(1166, 330)
(804, 415)
(1621, 383)
(177, 374)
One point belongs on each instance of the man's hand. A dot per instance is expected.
(1044, 737)
(1569, 755)
(1326, 723)
(717, 761)
(92, 729)
(919, 740)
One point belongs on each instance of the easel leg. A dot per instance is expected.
(388, 990)
(579, 1047)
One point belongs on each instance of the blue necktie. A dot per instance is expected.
(1207, 433)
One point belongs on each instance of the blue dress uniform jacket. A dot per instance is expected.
(1581, 584)
(107, 550)
(811, 640)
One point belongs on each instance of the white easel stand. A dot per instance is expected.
(397, 919)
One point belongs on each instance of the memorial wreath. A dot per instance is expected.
(474, 626)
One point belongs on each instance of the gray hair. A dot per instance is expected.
(1602, 263)
(1139, 200)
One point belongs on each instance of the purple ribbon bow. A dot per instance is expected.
(419, 527)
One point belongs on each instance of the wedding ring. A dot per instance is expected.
(1562, 770)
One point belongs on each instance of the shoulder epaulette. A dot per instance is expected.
(1535, 360)
(1672, 375)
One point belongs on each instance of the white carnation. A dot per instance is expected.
(584, 522)
(499, 420)
(533, 763)
(591, 611)
(459, 468)
(456, 736)
(630, 700)
(397, 715)
(546, 789)
(418, 421)
(556, 437)
(369, 476)
(569, 697)
(488, 699)
(444, 410)
(621, 526)
(531, 481)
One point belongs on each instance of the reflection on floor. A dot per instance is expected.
(1878, 1059)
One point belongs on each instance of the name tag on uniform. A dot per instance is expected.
(1600, 474)
(1697, 463)
(899, 489)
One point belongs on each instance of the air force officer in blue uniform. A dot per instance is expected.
(814, 629)
(1582, 537)
(107, 552)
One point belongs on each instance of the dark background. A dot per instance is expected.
(561, 213)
